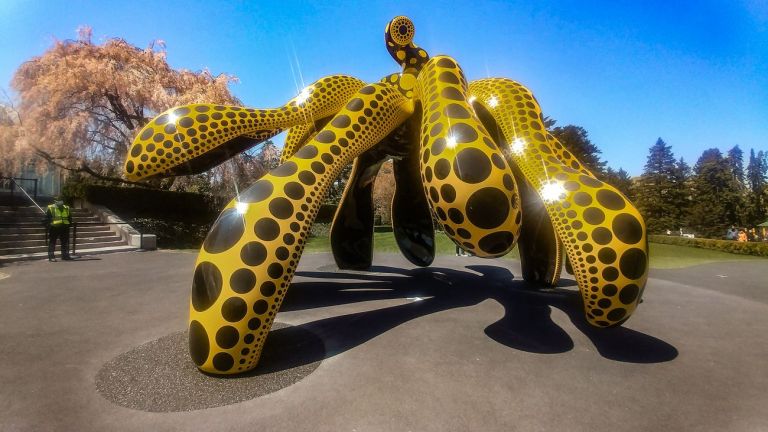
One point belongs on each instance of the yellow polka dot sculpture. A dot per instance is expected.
(475, 156)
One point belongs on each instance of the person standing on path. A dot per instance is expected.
(58, 218)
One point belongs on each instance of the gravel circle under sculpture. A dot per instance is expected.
(159, 376)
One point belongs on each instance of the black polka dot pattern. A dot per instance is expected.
(258, 192)
(225, 233)
(190, 132)
(223, 362)
(602, 233)
(239, 299)
(253, 254)
(199, 347)
(242, 281)
(234, 309)
(249, 258)
(227, 337)
(267, 229)
(472, 166)
(206, 286)
(487, 208)
(469, 185)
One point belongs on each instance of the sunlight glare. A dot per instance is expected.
(304, 95)
(450, 141)
(552, 192)
(518, 146)
(241, 207)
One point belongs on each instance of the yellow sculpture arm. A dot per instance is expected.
(297, 137)
(249, 257)
(603, 233)
(194, 138)
(470, 186)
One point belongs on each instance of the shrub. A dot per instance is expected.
(325, 213)
(134, 202)
(173, 234)
(320, 229)
(743, 248)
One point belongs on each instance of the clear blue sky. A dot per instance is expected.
(692, 72)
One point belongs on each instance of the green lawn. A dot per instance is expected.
(662, 255)
(671, 256)
(385, 242)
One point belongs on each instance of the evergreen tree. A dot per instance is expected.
(757, 198)
(715, 195)
(549, 122)
(620, 180)
(735, 161)
(661, 194)
(576, 140)
(683, 178)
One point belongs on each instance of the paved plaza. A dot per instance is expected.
(99, 344)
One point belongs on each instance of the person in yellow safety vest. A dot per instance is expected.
(58, 218)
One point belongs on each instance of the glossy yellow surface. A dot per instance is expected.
(603, 233)
(467, 172)
(470, 186)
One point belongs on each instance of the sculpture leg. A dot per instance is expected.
(470, 186)
(249, 257)
(352, 231)
(411, 215)
(603, 233)
(352, 228)
(541, 252)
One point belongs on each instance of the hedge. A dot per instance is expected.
(323, 229)
(173, 234)
(133, 202)
(743, 248)
(179, 219)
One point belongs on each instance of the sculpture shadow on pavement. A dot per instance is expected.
(159, 377)
(526, 325)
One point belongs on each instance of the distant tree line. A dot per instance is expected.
(717, 193)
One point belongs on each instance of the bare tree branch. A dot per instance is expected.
(84, 168)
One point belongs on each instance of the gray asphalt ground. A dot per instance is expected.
(462, 345)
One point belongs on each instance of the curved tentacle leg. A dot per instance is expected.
(300, 135)
(541, 251)
(352, 230)
(352, 227)
(567, 158)
(470, 186)
(250, 254)
(411, 215)
(194, 138)
(603, 233)
(296, 137)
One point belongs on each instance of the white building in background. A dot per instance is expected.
(49, 180)
(48, 183)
